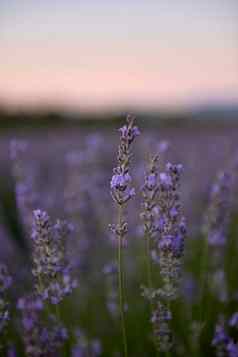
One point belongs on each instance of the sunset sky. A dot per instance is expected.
(102, 54)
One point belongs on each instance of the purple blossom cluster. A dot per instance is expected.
(218, 215)
(85, 347)
(5, 283)
(40, 340)
(216, 230)
(225, 345)
(121, 182)
(149, 205)
(160, 319)
(52, 272)
(165, 231)
(171, 230)
(121, 188)
(122, 191)
(110, 272)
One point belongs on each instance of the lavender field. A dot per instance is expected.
(119, 242)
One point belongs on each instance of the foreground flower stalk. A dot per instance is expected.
(122, 191)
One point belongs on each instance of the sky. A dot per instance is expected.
(94, 54)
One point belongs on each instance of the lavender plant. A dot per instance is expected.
(40, 339)
(5, 283)
(86, 347)
(52, 272)
(215, 230)
(218, 216)
(122, 191)
(225, 346)
(165, 230)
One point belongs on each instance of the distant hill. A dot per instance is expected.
(218, 111)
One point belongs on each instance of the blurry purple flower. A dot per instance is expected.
(220, 336)
(234, 320)
(11, 352)
(39, 340)
(232, 349)
(5, 283)
(85, 347)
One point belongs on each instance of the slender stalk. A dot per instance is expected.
(168, 354)
(149, 279)
(148, 261)
(122, 191)
(121, 286)
(203, 282)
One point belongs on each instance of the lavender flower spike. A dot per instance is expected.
(121, 188)
(165, 228)
(171, 230)
(51, 269)
(40, 340)
(5, 283)
(122, 191)
(218, 215)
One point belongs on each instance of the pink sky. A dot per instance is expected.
(83, 66)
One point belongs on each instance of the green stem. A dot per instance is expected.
(168, 353)
(149, 279)
(203, 283)
(148, 260)
(203, 279)
(121, 285)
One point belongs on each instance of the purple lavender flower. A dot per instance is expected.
(40, 339)
(149, 191)
(172, 230)
(223, 343)
(122, 191)
(232, 349)
(5, 283)
(160, 319)
(85, 347)
(234, 320)
(120, 182)
(218, 215)
(215, 229)
(220, 337)
(11, 352)
(165, 230)
(129, 132)
(51, 269)
(111, 270)
(121, 188)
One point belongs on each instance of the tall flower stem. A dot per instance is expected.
(121, 285)
(150, 279)
(148, 261)
(122, 191)
(203, 277)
